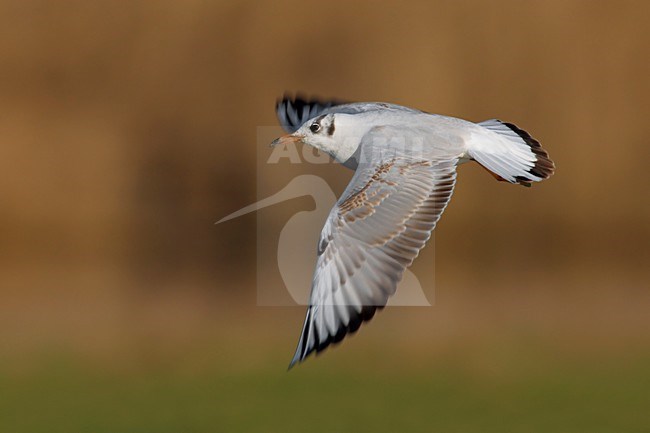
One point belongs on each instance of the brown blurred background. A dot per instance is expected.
(128, 128)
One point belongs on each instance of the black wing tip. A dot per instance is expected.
(301, 99)
(302, 352)
(544, 166)
(290, 99)
(295, 109)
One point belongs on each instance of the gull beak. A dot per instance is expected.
(286, 139)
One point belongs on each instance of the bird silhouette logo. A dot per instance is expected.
(295, 257)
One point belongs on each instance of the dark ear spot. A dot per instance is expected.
(330, 129)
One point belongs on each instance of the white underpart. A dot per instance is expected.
(493, 144)
(348, 133)
(348, 145)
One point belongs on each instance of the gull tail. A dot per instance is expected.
(509, 153)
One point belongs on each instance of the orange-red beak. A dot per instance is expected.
(286, 139)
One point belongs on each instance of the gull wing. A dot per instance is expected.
(293, 112)
(373, 233)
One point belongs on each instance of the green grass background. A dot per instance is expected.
(512, 388)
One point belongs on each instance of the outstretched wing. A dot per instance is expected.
(371, 236)
(293, 112)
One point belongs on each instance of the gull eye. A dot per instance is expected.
(315, 127)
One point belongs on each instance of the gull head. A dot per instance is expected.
(339, 135)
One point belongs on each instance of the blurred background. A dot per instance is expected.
(129, 128)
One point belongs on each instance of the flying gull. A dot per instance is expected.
(405, 170)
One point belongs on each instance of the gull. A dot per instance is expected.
(404, 163)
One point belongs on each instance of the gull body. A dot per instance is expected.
(405, 171)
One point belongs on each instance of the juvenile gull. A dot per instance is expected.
(405, 170)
